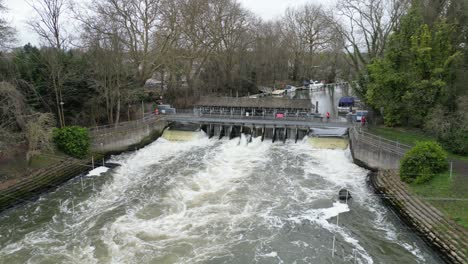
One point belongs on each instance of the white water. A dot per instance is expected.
(209, 201)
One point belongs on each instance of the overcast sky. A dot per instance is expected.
(20, 12)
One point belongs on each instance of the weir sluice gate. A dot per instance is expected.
(274, 133)
(274, 119)
(331, 138)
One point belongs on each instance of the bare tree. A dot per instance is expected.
(366, 26)
(49, 25)
(48, 22)
(145, 34)
(308, 32)
(7, 33)
(271, 54)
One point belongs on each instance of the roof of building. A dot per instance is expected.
(264, 102)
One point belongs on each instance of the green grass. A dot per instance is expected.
(443, 186)
(45, 160)
(408, 136)
(402, 135)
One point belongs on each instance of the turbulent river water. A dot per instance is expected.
(213, 201)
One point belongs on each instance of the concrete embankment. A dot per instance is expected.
(104, 141)
(126, 136)
(435, 228)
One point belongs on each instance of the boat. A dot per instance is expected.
(315, 85)
(346, 104)
(278, 93)
(290, 89)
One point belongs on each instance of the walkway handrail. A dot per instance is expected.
(149, 117)
(377, 141)
(190, 113)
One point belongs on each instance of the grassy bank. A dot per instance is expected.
(408, 136)
(443, 190)
(442, 193)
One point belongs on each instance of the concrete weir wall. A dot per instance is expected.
(125, 137)
(373, 152)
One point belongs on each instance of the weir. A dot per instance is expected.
(277, 133)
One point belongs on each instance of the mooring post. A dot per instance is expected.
(92, 162)
(103, 162)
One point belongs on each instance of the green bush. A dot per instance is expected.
(422, 162)
(455, 141)
(72, 140)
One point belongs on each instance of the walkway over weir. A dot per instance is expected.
(308, 122)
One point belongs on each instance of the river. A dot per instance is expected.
(213, 201)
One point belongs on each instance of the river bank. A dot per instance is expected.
(107, 141)
(435, 228)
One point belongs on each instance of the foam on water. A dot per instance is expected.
(98, 171)
(209, 201)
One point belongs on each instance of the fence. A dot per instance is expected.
(149, 118)
(359, 134)
(44, 179)
(190, 113)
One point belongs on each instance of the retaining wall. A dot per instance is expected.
(125, 137)
(374, 152)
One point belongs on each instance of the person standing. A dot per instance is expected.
(363, 120)
(328, 116)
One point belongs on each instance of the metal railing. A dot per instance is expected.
(189, 113)
(359, 134)
(148, 118)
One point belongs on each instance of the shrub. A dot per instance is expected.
(422, 162)
(72, 140)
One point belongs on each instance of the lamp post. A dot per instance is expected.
(63, 115)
